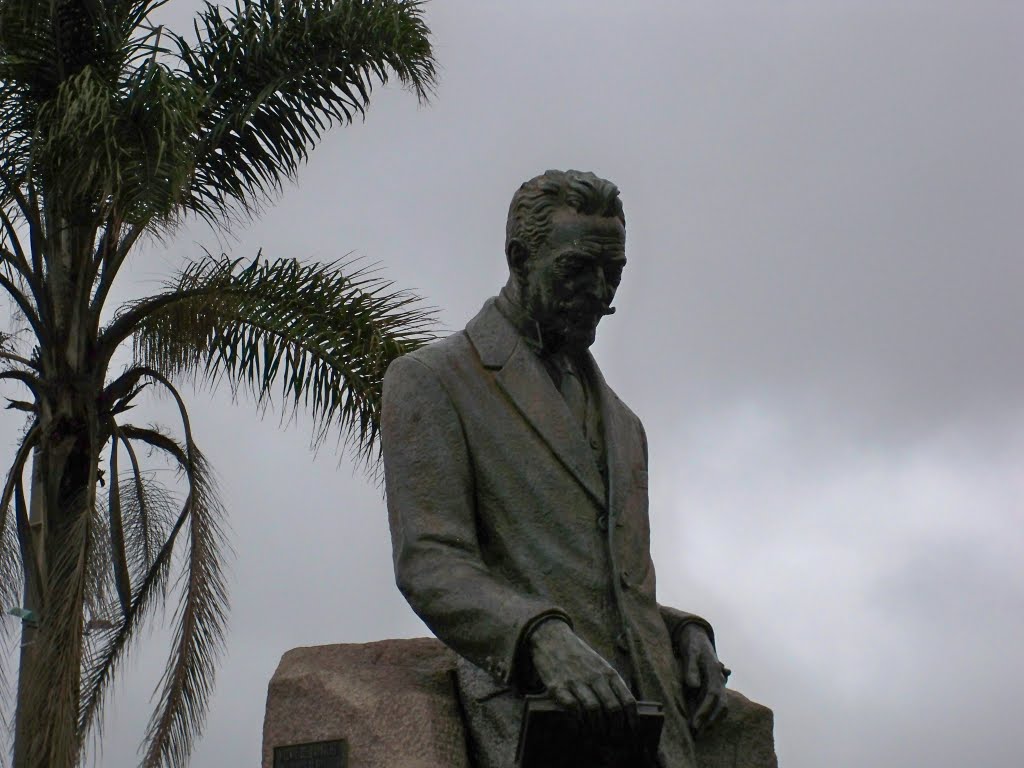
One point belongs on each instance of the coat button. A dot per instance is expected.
(602, 522)
(624, 579)
(594, 444)
(621, 642)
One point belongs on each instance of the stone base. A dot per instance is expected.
(394, 703)
(742, 739)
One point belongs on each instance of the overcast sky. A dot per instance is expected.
(820, 324)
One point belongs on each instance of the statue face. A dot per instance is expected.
(569, 284)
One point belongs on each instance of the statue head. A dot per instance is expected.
(565, 243)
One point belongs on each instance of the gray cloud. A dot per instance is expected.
(819, 325)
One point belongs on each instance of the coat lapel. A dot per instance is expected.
(522, 377)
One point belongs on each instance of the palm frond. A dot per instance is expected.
(43, 43)
(29, 74)
(15, 552)
(10, 562)
(187, 681)
(88, 110)
(162, 110)
(153, 518)
(321, 334)
(106, 134)
(149, 512)
(11, 581)
(28, 311)
(13, 491)
(11, 591)
(13, 253)
(9, 354)
(277, 73)
(184, 690)
(130, 526)
(99, 579)
(126, 147)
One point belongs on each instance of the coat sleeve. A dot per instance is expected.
(432, 513)
(675, 620)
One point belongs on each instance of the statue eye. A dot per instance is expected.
(571, 263)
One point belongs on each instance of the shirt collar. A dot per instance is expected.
(525, 325)
(529, 331)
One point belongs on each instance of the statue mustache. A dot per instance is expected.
(586, 308)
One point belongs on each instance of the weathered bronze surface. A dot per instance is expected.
(517, 498)
(319, 754)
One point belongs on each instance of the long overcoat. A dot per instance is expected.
(500, 517)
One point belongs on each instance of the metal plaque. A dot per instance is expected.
(319, 754)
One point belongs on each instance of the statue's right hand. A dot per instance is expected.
(577, 678)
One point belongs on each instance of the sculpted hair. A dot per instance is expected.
(534, 203)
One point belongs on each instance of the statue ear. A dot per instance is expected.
(517, 254)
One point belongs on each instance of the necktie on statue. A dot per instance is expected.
(573, 393)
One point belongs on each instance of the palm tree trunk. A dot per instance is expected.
(32, 599)
(63, 497)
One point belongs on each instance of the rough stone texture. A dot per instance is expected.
(394, 702)
(743, 739)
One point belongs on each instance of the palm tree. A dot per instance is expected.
(112, 128)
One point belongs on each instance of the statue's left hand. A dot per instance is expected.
(703, 675)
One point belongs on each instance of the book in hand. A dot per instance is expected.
(552, 737)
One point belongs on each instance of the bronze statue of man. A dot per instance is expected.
(517, 497)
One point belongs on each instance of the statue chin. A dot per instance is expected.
(567, 335)
(577, 338)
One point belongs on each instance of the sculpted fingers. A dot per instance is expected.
(627, 702)
(579, 679)
(720, 710)
(589, 706)
(713, 703)
(707, 704)
(711, 708)
(563, 697)
(610, 703)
